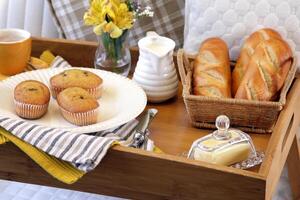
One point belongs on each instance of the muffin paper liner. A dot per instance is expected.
(95, 92)
(80, 118)
(30, 111)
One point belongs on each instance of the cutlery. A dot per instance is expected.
(141, 129)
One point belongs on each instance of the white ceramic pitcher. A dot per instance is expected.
(155, 71)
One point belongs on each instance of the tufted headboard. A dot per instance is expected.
(32, 15)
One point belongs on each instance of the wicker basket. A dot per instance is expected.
(247, 115)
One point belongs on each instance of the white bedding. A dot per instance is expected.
(20, 191)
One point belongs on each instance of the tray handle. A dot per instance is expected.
(184, 66)
(291, 129)
(289, 80)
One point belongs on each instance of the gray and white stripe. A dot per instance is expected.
(59, 62)
(85, 151)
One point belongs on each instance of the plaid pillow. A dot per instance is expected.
(168, 20)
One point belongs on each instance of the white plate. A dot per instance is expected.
(122, 101)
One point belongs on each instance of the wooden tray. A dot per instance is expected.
(137, 174)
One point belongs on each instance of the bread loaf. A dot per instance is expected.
(211, 74)
(266, 71)
(246, 53)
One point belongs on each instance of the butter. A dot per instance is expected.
(228, 156)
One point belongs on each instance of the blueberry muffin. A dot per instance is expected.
(76, 78)
(31, 99)
(78, 106)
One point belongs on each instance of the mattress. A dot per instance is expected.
(20, 191)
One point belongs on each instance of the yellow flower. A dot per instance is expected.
(124, 18)
(113, 30)
(94, 16)
(111, 16)
(109, 7)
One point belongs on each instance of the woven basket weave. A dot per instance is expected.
(247, 115)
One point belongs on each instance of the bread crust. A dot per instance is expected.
(266, 71)
(211, 73)
(246, 53)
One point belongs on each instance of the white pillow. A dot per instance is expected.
(233, 20)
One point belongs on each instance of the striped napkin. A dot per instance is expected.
(83, 151)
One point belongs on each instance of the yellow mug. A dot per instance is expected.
(15, 50)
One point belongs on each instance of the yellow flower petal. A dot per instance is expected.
(124, 18)
(93, 15)
(108, 11)
(113, 30)
(88, 20)
(98, 30)
(116, 33)
(108, 27)
(123, 7)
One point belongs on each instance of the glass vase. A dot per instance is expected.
(113, 54)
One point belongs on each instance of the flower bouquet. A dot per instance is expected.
(111, 20)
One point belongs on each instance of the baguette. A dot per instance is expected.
(211, 74)
(266, 71)
(246, 53)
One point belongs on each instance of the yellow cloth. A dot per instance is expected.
(61, 170)
(47, 57)
(157, 150)
(3, 139)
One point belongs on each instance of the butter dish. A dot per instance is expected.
(226, 146)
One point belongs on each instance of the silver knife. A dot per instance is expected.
(141, 129)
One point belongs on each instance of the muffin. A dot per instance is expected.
(76, 78)
(78, 106)
(31, 99)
